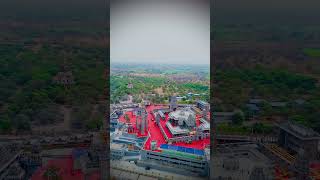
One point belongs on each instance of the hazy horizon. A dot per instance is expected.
(155, 63)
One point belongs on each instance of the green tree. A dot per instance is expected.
(261, 128)
(5, 126)
(238, 118)
(299, 119)
(94, 124)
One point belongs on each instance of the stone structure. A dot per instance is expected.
(176, 159)
(203, 105)
(294, 137)
(173, 103)
(183, 117)
(301, 166)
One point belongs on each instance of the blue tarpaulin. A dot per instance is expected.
(182, 149)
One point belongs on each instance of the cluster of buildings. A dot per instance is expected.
(48, 158)
(170, 138)
(75, 162)
(177, 139)
(189, 96)
(241, 161)
(294, 154)
(254, 106)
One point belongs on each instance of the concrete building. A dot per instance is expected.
(176, 159)
(205, 114)
(203, 105)
(126, 146)
(177, 130)
(222, 117)
(114, 121)
(141, 120)
(183, 117)
(158, 117)
(161, 114)
(204, 126)
(117, 151)
(294, 137)
(173, 103)
(240, 161)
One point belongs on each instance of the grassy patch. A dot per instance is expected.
(312, 52)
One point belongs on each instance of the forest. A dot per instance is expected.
(236, 87)
(39, 40)
(28, 93)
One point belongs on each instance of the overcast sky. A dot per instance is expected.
(160, 33)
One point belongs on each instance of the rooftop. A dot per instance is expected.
(176, 130)
(202, 102)
(205, 125)
(183, 116)
(117, 146)
(253, 107)
(182, 149)
(299, 131)
(239, 160)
